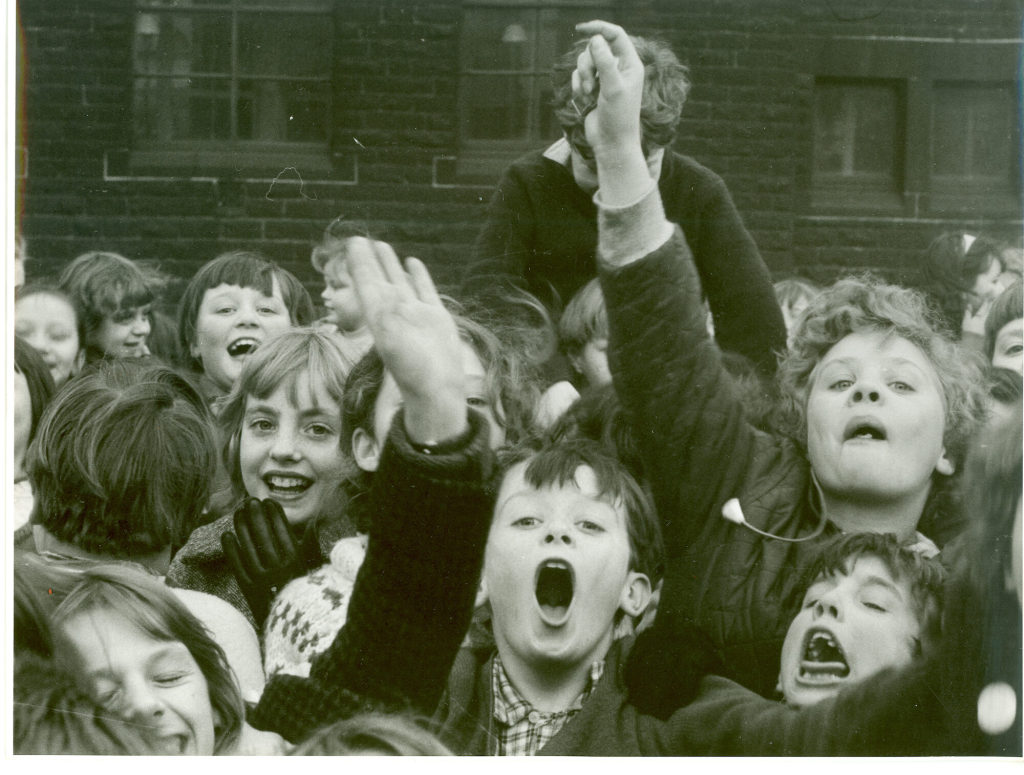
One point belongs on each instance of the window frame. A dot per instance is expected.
(481, 160)
(920, 65)
(233, 156)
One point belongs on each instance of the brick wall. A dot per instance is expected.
(395, 93)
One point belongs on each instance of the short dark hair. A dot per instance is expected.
(925, 576)
(390, 734)
(556, 463)
(246, 269)
(122, 460)
(100, 285)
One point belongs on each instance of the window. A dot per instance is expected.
(974, 139)
(216, 81)
(916, 127)
(507, 50)
(857, 126)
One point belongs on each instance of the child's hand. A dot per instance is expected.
(974, 318)
(609, 69)
(264, 556)
(416, 338)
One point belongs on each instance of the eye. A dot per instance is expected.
(1014, 349)
(123, 316)
(589, 526)
(526, 522)
(841, 384)
(320, 430)
(261, 425)
(225, 310)
(169, 679)
(810, 602)
(901, 387)
(875, 606)
(477, 401)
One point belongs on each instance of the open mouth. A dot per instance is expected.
(554, 590)
(171, 745)
(242, 346)
(864, 429)
(823, 660)
(287, 484)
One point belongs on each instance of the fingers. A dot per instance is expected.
(422, 282)
(232, 552)
(616, 36)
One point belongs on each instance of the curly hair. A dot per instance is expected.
(666, 86)
(864, 304)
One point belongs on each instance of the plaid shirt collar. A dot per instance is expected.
(525, 730)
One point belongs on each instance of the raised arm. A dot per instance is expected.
(431, 504)
(666, 369)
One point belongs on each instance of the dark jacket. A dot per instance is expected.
(699, 452)
(895, 713)
(541, 234)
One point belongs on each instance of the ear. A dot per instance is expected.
(576, 361)
(193, 350)
(636, 594)
(944, 465)
(365, 450)
(481, 593)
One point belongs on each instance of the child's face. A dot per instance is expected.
(988, 285)
(556, 570)
(389, 399)
(155, 684)
(875, 419)
(592, 362)
(292, 454)
(124, 334)
(849, 627)
(49, 324)
(22, 422)
(232, 322)
(1010, 346)
(340, 298)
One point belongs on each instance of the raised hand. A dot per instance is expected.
(610, 76)
(264, 556)
(416, 338)
(609, 70)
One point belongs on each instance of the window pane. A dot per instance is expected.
(973, 132)
(500, 39)
(182, 109)
(855, 130)
(279, 44)
(499, 107)
(277, 111)
(182, 43)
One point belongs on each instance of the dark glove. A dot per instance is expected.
(666, 665)
(263, 553)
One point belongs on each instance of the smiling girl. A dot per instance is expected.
(114, 302)
(282, 427)
(45, 317)
(234, 303)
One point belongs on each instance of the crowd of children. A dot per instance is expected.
(793, 528)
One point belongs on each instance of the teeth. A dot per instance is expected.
(288, 482)
(242, 346)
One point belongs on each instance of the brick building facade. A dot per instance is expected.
(767, 75)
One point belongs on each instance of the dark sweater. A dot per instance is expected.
(541, 233)
(413, 597)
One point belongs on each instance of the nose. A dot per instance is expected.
(865, 391)
(141, 325)
(284, 447)
(558, 534)
(828, 605)
(247, 316)
(40, 343)
(142, 703)
(325, 293)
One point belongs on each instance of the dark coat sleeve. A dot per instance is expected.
(413, 597)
